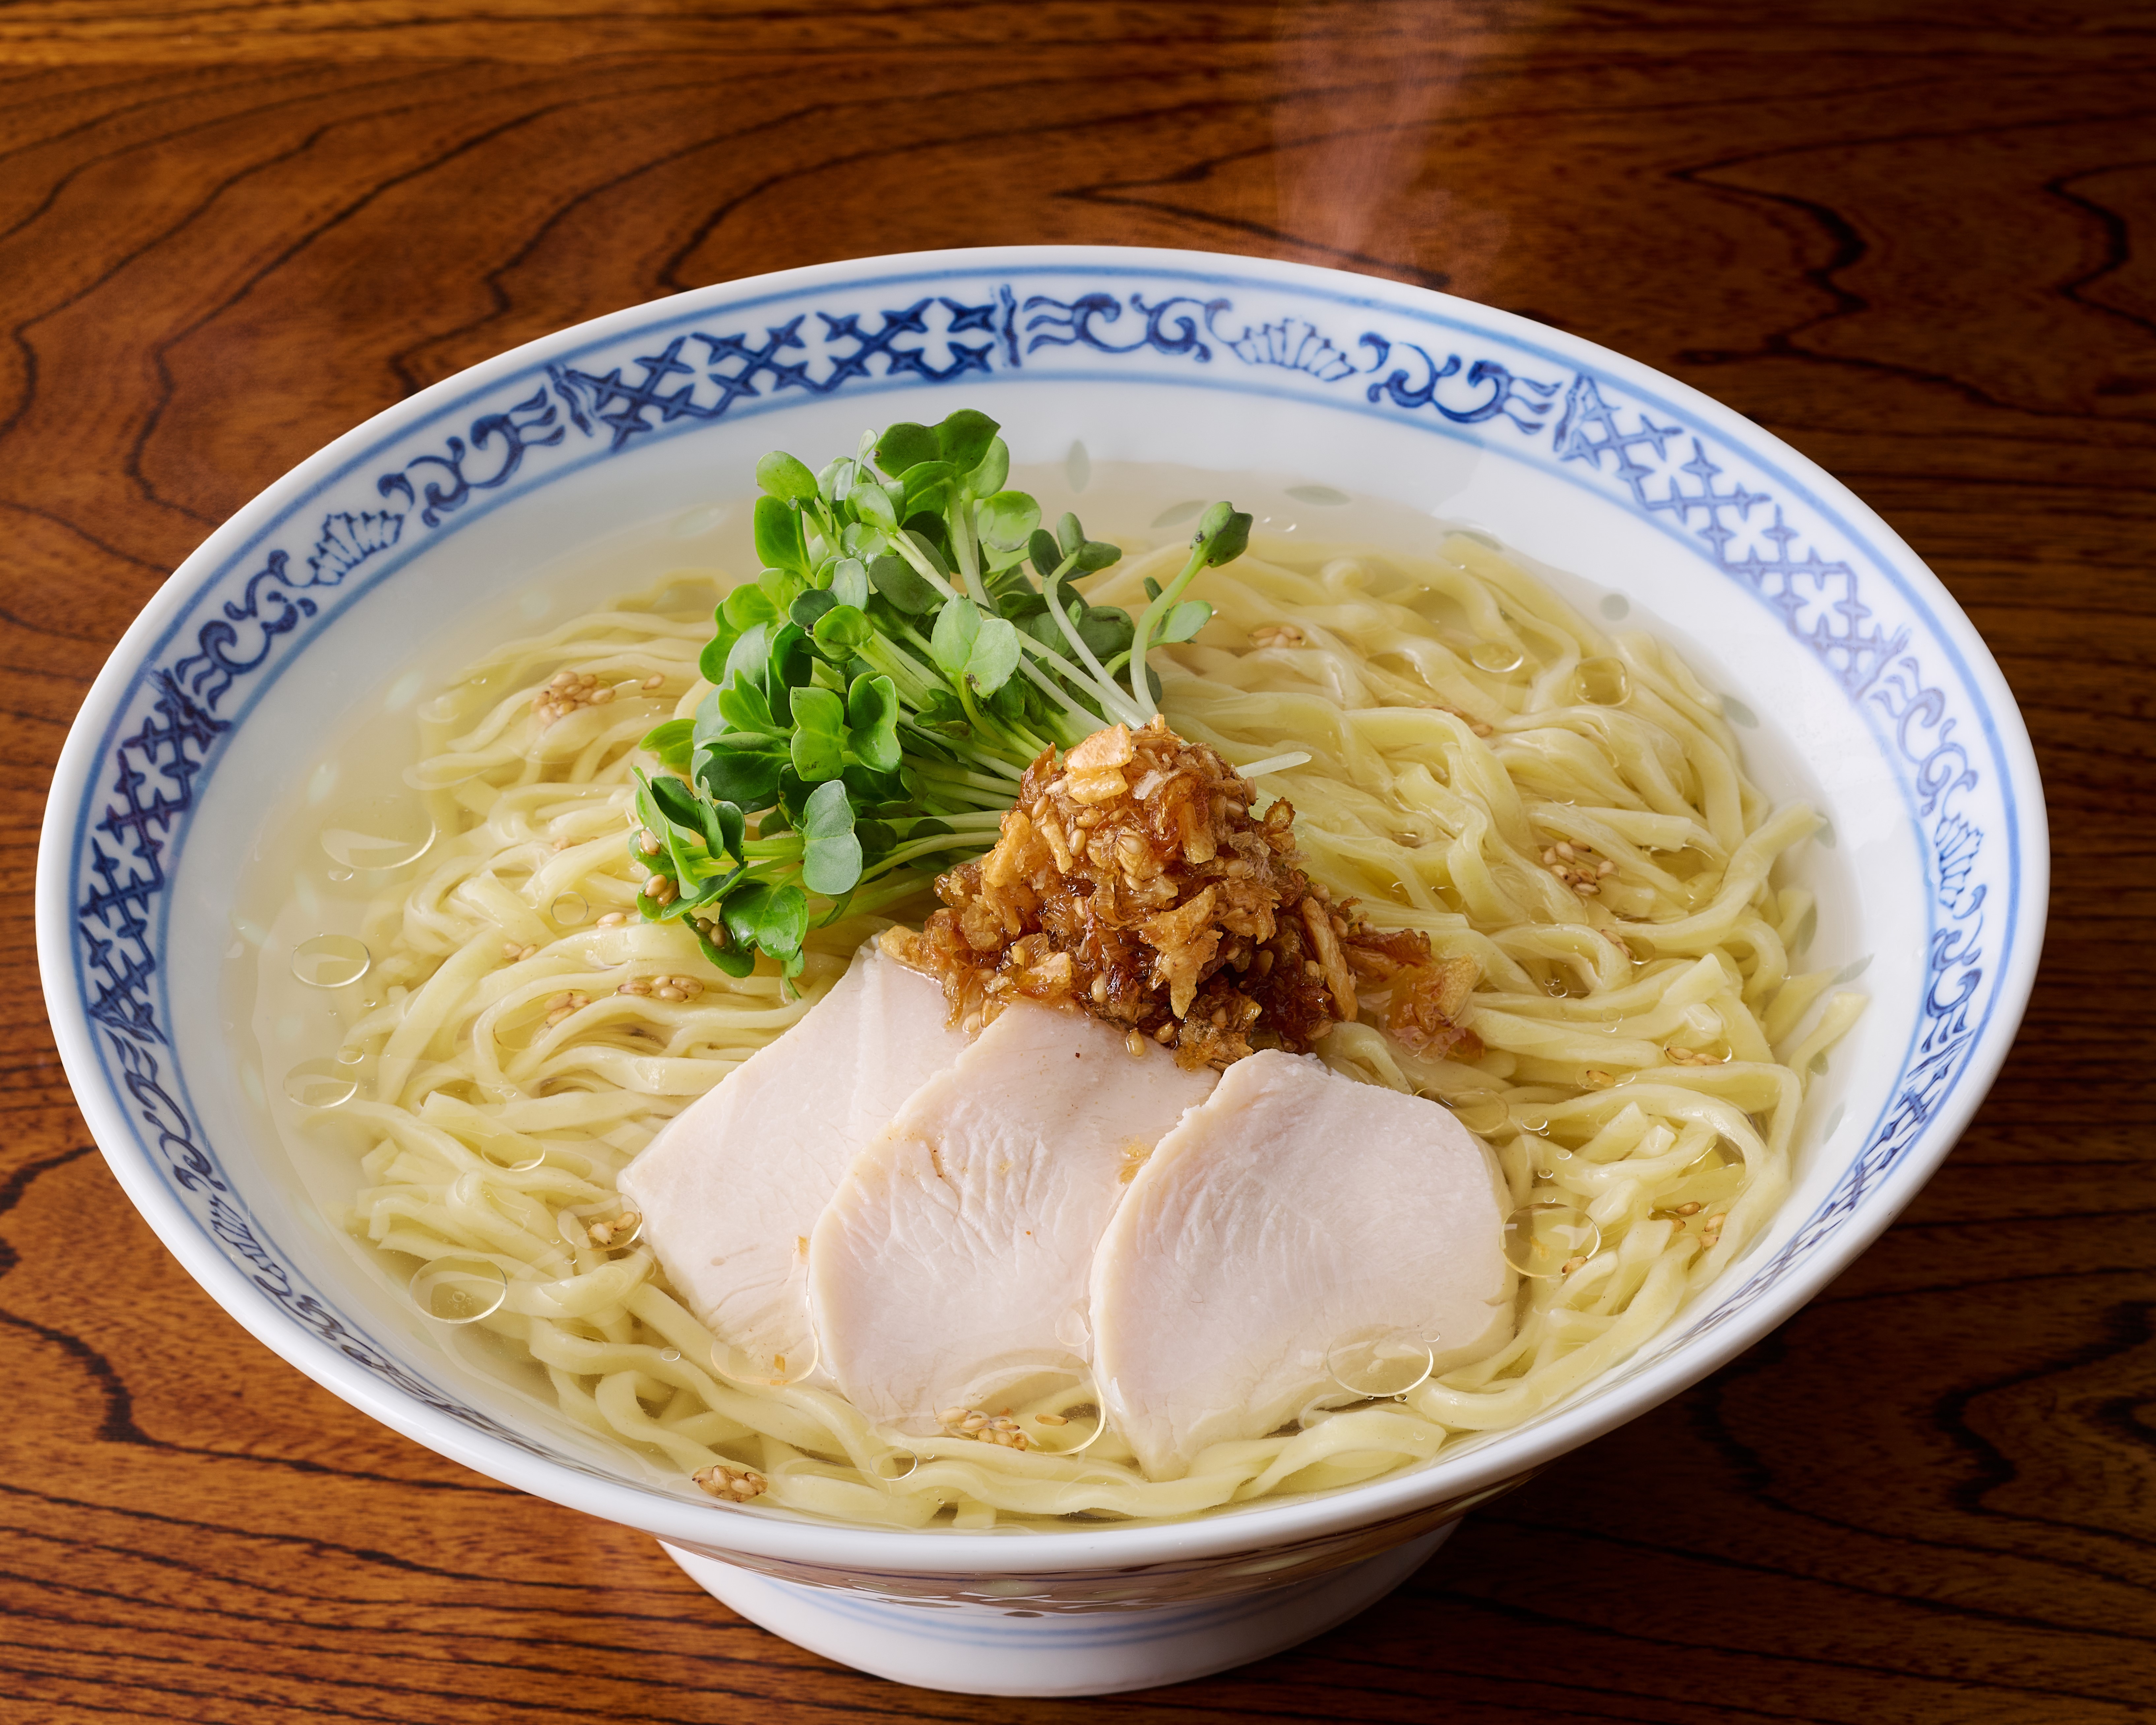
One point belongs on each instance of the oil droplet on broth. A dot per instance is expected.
(670, 1354)
(1604, 682)
(331, 961)
(506, 1153)
(1547, 1240)
(1066, 1422)
(767, 1371)
(320, 1084)
(569, 910)
(340, 875)
(459, 1290)
(1496, 656)
(380, 832)
(894, 1465)
(1482, 1114)
(349, 1056)
(1377, 1366)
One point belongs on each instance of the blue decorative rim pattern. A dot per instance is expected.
(1739, 507)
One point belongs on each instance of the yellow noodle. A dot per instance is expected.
(1433, 789)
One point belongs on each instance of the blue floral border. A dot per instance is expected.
(958, 328)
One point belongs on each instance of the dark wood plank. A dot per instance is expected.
(1915, 239)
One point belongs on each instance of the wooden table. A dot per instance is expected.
(1915, 239)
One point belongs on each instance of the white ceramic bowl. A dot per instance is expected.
(1875, 698)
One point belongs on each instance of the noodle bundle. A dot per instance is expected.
(1483, 766)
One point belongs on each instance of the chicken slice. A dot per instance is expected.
(950, 1264)
(731, 1190)
(1297, 1220)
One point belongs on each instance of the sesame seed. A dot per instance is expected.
(656, 680)
(614, 920)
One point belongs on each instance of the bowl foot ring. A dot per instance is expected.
(991, 1650)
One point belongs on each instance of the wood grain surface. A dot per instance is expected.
(1917, 239)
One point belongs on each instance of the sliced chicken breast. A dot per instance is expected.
(731, 1190)
(951, 1262)
(1298, 1220)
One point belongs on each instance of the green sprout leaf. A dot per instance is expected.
(786, 479)
(810, 606)
(1225, 532)
(906, 444)
(849, 582)
(1185, 620)
(942, 711)
(872, 503)
(1008, 519)
(872, 723)
(963, 439)
(842, 631)
(747, 606)
(898, 581)
(924, 484)
(745, 709)
(671, 742)
(995, 469)
(820, 734)
(836, 480)
(774, 920)
(957, 627)
(747, 778)
(778, 537)
(995, 656)
(788, 663)
(831, 850)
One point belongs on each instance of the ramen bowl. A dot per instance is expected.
(618, 450)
